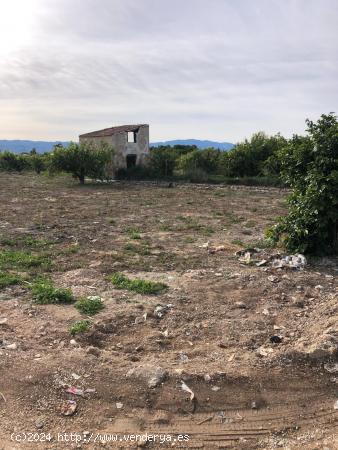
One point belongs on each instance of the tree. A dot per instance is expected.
(82, 160)
(254, 157)
(37, 161)
(11, 162)
(309, 165)
(163, 160)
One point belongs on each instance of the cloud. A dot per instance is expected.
(221, 69)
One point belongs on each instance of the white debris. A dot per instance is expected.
(297, 261)
(331, 367)
(186, 388)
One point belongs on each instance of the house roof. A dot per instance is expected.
(113, 130)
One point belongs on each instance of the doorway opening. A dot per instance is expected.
(131, 161)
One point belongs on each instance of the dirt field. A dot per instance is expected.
(256, 345)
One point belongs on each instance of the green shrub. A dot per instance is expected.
(89, 305)
(79, 327)
(140, 286)
(44, 292)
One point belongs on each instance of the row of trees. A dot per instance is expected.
(81, 160)
(256, 157)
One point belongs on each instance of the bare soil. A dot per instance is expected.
(218, 334)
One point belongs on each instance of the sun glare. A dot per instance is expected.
(16, 24)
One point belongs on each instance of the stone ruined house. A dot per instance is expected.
(130, 142)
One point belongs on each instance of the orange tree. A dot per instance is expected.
(309, 165)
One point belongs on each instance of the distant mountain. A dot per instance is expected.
(200, 144)
(26, 146)
(19, 146)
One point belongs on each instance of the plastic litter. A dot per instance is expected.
(186, 388)
(75, 391)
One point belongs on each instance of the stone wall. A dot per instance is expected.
(122, 147)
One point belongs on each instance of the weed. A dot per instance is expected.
(134, 233)
(8, 242)
(220, 194)
(8, 279)
(262, 243)
(29, 241)
(79, 327)
(238, 242)
(232, 218)
(138, 249)
(44, 292)
(249, 224)
(140, 286)
(89, 305)
(22, 260)
(72, 249)
(189, 223)
(165, 227)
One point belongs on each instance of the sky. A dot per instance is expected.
(203, 69)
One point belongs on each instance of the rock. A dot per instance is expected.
(93, 351)
(240, 305)
(275, 339)
(3, 320)
(321, 351)
(273, 279)
(299, 303)
(161, 310)
(183, 357)
(39, 423)
(153, 375)
(11, 346)
(162, 418)
(73, 342)
(222, 345)
(119, 405)
(331, 367)
(68, 407)
(215, 388)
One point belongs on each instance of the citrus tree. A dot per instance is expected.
(309, 165)
(82, 160)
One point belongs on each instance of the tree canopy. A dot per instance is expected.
(82, 160)
(309, 165)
